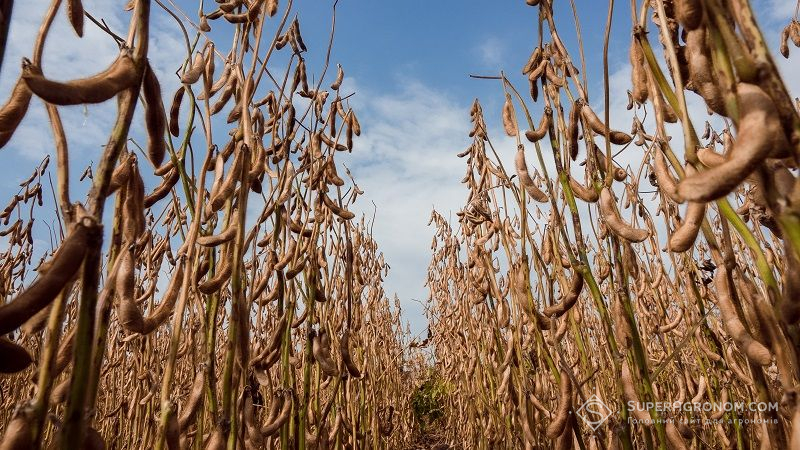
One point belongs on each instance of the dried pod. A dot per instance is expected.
(702, 78)
(75, 15)
(154, 116)
(759, 134)
(13, 357)
(572, 128)
(544, 125)
(585, 193)
(569, 298)
(19, 431)
(65, 263)
(754, 350)
(509, 122)
(344, 349)
(195, 70)
(174, 112)
(120, 75)
(597, 125)
(685, 235)
(525, 178)
(192, 405)
(160, 314)
(639, 77)
(559, 420)
(15, 109)
(608, 209)
(689, 13)
(273, 426)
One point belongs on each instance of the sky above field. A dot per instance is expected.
(407, 63)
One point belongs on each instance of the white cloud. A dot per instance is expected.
(491, 51)
(405, 161)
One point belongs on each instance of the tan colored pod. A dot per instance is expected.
(639, 77)
(14, 110)
(19, 431)
(759, 134)
(754, 350)
(689, 13)
(509, 122)
(569, 298)
(608, 209)
(544, 126)
(560, 417)
(120, 75)
(63, 266)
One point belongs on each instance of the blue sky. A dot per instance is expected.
(408, 63)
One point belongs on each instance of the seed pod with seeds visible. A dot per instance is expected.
(121, 173)
(322, 355)
(640, 90)
(222, 275)
(533, 61)
(163, 189)
(608, 209)
(666, 183)
(120, 75)
(597, 125)
(619, 173)
(63, 266)
(552, 77)
(525, 178)
(509, 123)
(339, 78)
(221, 82)
(702, 78)
(759, 134)
(585, 193)
(154, 116)
(336, 209)
(195, 70)
(667, 327)
(128, 312)
(218, 239)
(544, 125)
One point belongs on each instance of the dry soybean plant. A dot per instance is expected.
(669, 279)
(235, 303)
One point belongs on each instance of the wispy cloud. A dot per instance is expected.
(491, 51)
(405, 161)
